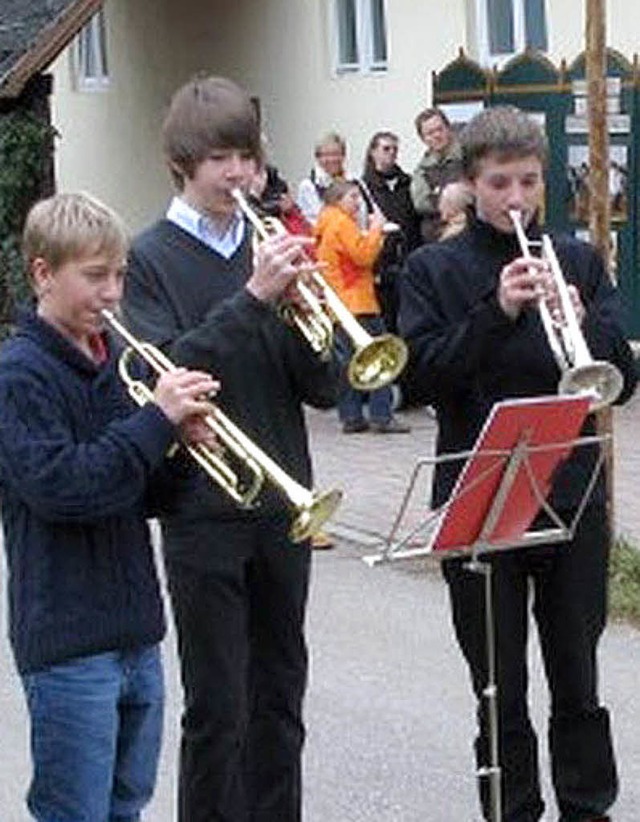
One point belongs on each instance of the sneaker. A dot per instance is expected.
(355, 426)
(392, 426)
(321, 541)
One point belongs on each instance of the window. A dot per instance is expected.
(89, 55)
(359, 31)
(507, 27)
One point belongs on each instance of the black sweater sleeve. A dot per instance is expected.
(450, 336)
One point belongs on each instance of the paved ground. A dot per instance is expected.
(389, 711)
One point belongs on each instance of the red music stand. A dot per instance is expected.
(513, 461)
(500, 490)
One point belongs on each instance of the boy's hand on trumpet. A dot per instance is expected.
(194, 430)
(277, 262)
(552, 299)
(182, 394)
(522, 283)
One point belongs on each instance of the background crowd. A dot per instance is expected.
(366, 224)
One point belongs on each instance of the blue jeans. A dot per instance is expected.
(96, 729)
(351, 402)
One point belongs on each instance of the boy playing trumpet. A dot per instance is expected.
(470, 314)
(85, 614)
(238, 584)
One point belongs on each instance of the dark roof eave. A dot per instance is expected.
(51, 40)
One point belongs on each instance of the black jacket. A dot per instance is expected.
(390, 193)
(466, 354)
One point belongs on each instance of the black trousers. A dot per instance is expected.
(239, 591)
(388, 293)
(568, 585)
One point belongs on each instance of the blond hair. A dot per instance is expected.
(72, 226)
(331, 138)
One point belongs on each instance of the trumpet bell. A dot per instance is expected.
(378, 363)
(600, 378)
(311, 516)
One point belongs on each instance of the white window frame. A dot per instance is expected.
(365, 61)
(92, 38)
(485, 57)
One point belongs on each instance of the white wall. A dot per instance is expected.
(568, 27)
(283, 49)
(279, 50)
(109, 142)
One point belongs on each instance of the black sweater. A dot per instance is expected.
(466, 354)
(188, 299)
(74, 463)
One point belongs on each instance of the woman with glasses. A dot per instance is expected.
(386, 188)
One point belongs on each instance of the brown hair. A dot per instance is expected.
(208, 113)
(377, 138)
(336, 191)
(428, 114)
(72, 226)
(504, 132)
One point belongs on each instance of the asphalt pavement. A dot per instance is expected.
(389, 712)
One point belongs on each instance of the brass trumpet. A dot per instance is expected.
(580, 372)
(310, 509)
(376, 362)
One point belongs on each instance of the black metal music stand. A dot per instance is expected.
(499, 492)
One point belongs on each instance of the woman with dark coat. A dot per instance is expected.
(385, 188)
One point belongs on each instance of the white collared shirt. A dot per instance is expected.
(202, 227)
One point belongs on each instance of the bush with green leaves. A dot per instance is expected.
(25, 152)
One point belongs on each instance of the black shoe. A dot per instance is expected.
(392, 426)
(355, 426)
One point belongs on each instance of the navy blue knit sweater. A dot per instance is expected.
(74, 464)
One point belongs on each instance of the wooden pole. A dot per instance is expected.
(599, 204)
(596, 74)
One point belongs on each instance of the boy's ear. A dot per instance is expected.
(178, 172)
(41, 275)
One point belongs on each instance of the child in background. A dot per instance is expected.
(85, 614)
(454, 203)
(349, 255)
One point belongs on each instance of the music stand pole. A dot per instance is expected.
(492, 770)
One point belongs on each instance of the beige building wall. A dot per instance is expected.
(283, 47)
(280, 50)
(109, 141)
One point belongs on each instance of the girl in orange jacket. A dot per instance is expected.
(349, 254)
